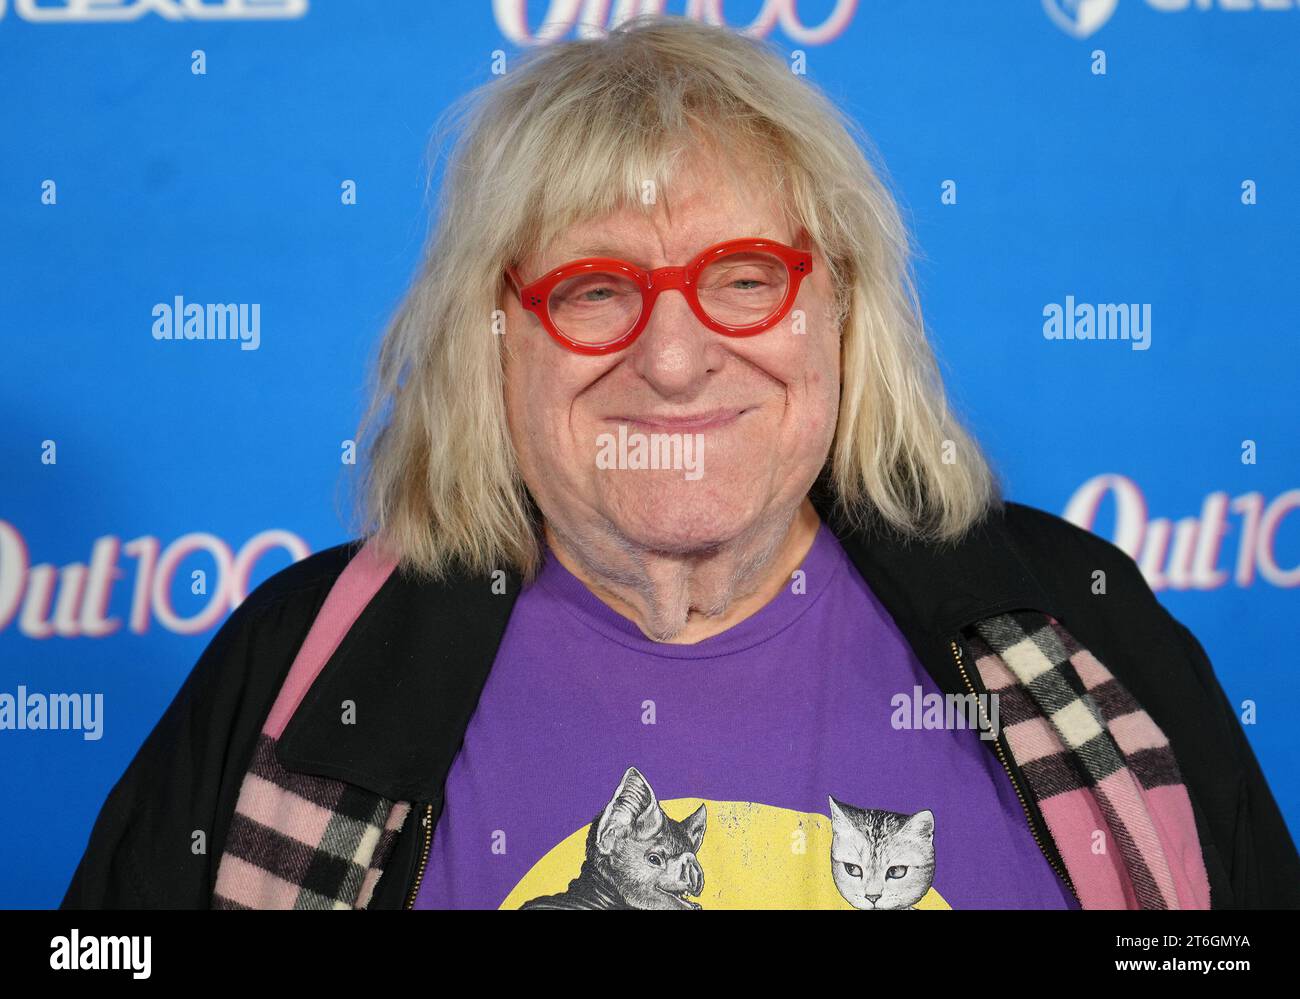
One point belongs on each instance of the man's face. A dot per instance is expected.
(763, 407)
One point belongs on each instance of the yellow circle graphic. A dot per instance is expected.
(754, 856)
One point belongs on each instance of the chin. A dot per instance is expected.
(680, 521)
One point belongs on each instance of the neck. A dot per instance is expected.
(683, 599)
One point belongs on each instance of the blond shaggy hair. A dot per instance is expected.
(572, 134)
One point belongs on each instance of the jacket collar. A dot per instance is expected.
(413, 665)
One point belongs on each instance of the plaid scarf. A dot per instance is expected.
(1100, 770)
(298, 841)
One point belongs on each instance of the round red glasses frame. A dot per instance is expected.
(535, 297)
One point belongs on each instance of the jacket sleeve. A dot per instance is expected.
(1263, 865)
(157, 839)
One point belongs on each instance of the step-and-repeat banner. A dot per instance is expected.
(1106, 200)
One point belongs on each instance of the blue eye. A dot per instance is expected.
(897, 871)
(853, 870)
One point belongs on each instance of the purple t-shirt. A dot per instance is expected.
(602, 769)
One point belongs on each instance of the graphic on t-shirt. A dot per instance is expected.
(643, 853)
(880, 859)
(636, 856)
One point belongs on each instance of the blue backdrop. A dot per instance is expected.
(1053, 158)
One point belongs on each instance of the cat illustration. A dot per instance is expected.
(879, 859)
(637, 857)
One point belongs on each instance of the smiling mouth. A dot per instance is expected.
(679, 897)
(711, 420)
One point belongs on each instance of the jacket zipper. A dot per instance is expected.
(427, 823)
(997, 745)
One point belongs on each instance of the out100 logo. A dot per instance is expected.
(73, 601)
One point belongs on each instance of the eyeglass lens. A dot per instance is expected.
(738, 289)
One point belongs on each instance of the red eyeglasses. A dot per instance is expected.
(598, 305)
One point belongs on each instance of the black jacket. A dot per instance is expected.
(417, 658)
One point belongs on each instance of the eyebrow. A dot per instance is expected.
(609, 250)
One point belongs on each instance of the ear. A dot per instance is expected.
(695, 828)
(921, 824)
(840, 824)
(633, 801)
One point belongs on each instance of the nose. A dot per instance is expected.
(676, 352)
(689, 874)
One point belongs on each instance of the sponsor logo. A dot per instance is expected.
(592, 18)
(1082, 18)
(54, 11)
(1185, 554)
(1079, 18)
(72, 601)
